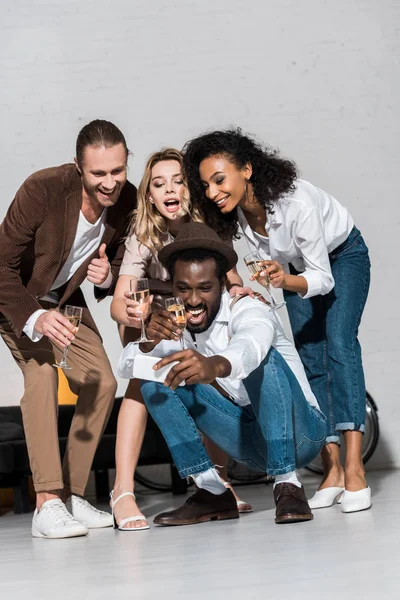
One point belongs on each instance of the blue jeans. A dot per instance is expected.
(325, 331)
(277, 433)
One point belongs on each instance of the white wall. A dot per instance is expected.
(318, 78)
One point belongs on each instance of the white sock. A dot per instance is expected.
(290, 477)
(210, 480)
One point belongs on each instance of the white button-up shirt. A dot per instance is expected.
(243, 335)
(305, 227)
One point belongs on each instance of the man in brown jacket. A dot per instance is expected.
(65, 224)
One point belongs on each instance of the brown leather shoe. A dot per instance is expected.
(200, 507)
(291, 504)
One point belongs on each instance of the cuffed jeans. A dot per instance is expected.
(325, 330)
(277, 433)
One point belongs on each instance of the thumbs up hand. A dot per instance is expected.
(99, 268)
(102, 252)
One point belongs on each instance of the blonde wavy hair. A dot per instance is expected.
(146, 222)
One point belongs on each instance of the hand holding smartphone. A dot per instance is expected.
(143, 369)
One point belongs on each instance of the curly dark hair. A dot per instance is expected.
(272, 175)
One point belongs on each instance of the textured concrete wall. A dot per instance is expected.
(318, 78)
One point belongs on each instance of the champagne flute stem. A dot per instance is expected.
(182, 341)
(271, 298)
(274, 302)
(64, 358)
(143, 336)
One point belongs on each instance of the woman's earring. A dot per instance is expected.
(246, 195)
(246, 185)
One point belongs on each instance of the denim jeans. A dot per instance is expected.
(325, 331)
(277, 433)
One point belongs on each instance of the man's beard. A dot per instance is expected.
(93, 190)
(211, 317)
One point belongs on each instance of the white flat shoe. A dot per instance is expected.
(356, 501)
(53, 521)
(123, 522)
(326, 497)
(87, 514)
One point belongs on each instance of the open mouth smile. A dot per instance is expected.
(221, 203)
(172, 204)
(195, 315)
(104, 193)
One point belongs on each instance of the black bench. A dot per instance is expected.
(14, 461)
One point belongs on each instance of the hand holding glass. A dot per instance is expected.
(254, 262)
(176, 307)
(141, 294)
(74, 316)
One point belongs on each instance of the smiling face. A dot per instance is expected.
(224, 183)
(103, 173)
(167, 189)
(197, 283)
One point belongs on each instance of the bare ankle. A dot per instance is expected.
(333, 476)
(42, 497)
(123, 486)
(335, 470)
(355, 481)
(355, 471)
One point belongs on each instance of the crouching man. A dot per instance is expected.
(244, 385)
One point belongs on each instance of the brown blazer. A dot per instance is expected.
(36, 237)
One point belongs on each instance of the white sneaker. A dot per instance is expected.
(54, 521)
(89, 515)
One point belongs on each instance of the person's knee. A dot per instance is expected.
(341, 348)
(108, 385)
(133, 391)
(43, 376)
(153, 393)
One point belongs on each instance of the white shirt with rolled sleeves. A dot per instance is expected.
(243, 335)
(306, 226)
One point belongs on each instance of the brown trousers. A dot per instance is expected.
(90, 378)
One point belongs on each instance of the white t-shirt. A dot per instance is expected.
(87, 239)
(306, 226)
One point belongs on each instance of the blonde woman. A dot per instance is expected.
(163, 206)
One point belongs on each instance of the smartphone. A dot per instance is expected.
(143, 369)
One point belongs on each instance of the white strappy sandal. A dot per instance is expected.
(123, 522)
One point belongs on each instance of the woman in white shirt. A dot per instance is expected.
(163, 206)
(315, 254)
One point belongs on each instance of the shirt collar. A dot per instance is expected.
(274, 220)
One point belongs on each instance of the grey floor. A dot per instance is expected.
(336, 556)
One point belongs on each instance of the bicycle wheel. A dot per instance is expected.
(369, 442)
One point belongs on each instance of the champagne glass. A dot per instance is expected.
(74, 316)
(140, 293)
(176, 306)
(254, 262)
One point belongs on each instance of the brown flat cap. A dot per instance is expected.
(197, 235)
